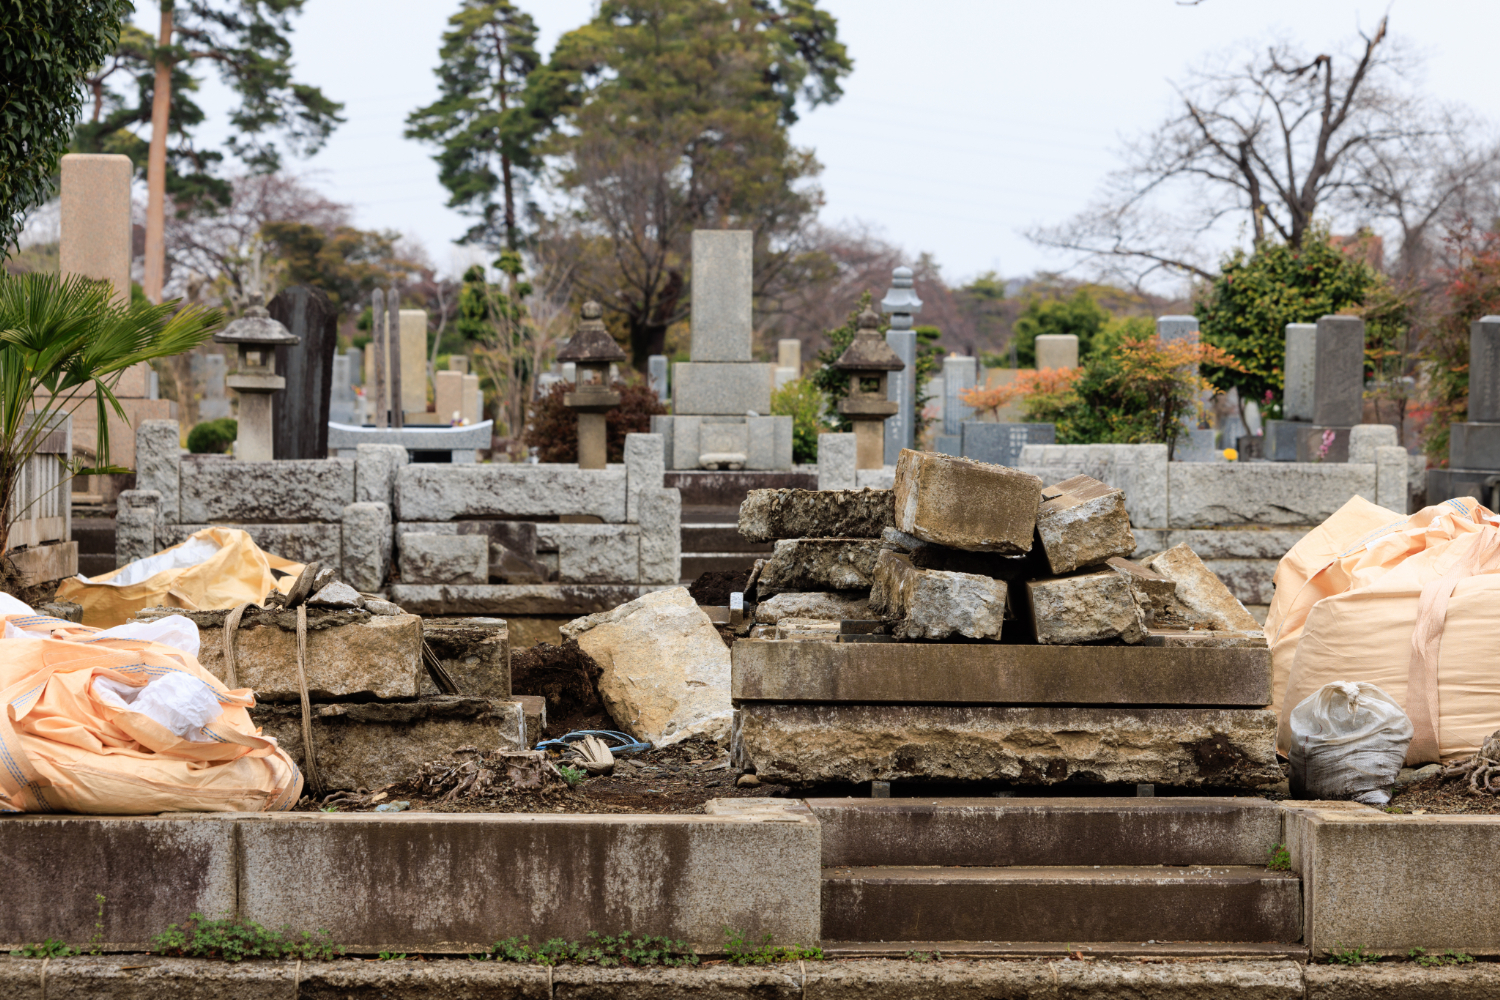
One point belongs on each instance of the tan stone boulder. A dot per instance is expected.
(1085, 607)
(664, 668)
(934, 603)
(1082, 522)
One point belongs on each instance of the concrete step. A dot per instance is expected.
(1135, 951)
(1048, 831)
(1061, 904)
(720, 538)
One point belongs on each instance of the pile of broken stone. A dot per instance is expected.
(965, 550)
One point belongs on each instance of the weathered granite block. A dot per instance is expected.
(370, 745)
(661, 535)
(645, 465)
(1245, 542)
(1339, 373)
(266, 492)
(724, 441)
(1264, 493)
(1365, 438)
(1088, 607)
(1192, 747)
(1200, 593)
(925, 555)
(804, 564)
(430, 492)
(836, 462)
(608, 555)
(475, 652)
(934, 604)
(1082, 522)
(770, 441)
(435, 558)
(1392, 472)
(137, 523)
(514, 599)
(1301, 364)
(1152, 591)
(767, 515)
(375, 468)
(721, 388)
(366, 548)
(158, 453)
(966, 505)
(824, 605)
(349, 653)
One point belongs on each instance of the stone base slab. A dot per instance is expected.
(997, 674)
(503, 600)
(43, 563)
(368, 745)
(408, 882)
(1047, 831)
(1180, 747)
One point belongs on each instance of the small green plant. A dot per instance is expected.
(1357, 955)
(599, 949)
(742, 951)
(1397, 810)
(392, 956)
(574, 776)
(213, 437)
(1449, 957)
(235, 940)
(801, 400)
(925, 956)
(50, 948)
(1281, 858)
(96, 942)
(328, 809)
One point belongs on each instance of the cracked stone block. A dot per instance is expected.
(820, 564)
(769, 515)
(1082, 522)
(1153, 592)
(439, 558)
(965, 504)
(821, 605)
(1088, 607)
(1201, 596)
(936, 604)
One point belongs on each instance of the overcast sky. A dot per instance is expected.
(963, 123)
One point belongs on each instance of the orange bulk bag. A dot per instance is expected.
(1409, 604)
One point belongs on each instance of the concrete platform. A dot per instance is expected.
(1063, 904)
(411, 882)
(804, 744)
(995, 674)
(1048, 831)
(1136, 951)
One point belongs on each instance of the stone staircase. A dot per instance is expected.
(1027, 876)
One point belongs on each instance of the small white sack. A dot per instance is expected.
(1349, 740)
(181, 703)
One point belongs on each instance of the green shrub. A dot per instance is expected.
(213, 437)
(235, 940)
(801, 400)
(553, 428)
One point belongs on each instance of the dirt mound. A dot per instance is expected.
(713, 588)
(568, 678)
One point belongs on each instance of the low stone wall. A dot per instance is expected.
(350, 512)
(437, 883)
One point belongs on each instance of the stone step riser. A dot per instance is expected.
(1042, 908)
(999, 832)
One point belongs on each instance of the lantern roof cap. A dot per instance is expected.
(869, 352)
(256, 327)
(592, 344)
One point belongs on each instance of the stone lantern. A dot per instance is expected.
(257, 336)
(591, 350)
(868, 359)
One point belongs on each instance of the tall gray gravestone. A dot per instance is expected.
(1338, 389)
(959, 373)
(1301, 356)
(721, 398)
(901, 303)
(1170, 328)
(656, 375)
(343, 404)
(1474, 444)
(215, 402)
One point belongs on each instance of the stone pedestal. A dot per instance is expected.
(1057, 350)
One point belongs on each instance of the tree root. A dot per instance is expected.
(1482, 768)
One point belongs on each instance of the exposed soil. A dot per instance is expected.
(567, 677)
(675, 779)
(713, 588)
(1444, 796)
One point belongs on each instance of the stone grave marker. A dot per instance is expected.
(902, 304)
(300, 414)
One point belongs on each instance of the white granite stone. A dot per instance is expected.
(137, 523)
(661, 535)
(366, 549)
(721, 388)
(375, 468)
(722, 299)
(158, 453)
(265, 492)
(447, 492)
(645, 465)
(1269, 493)
(836, 469)
(1300, 374)
(1365, 438)
(444, 558)
(1392, 466)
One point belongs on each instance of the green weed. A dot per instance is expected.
(1357, 955)
(391, 956)
(599, 949)
(1281, 858)
(235, 940)
(574, 776)
(96, 943)
(50, 948)
(742, 951)
(925, 956)
(1449, 957)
